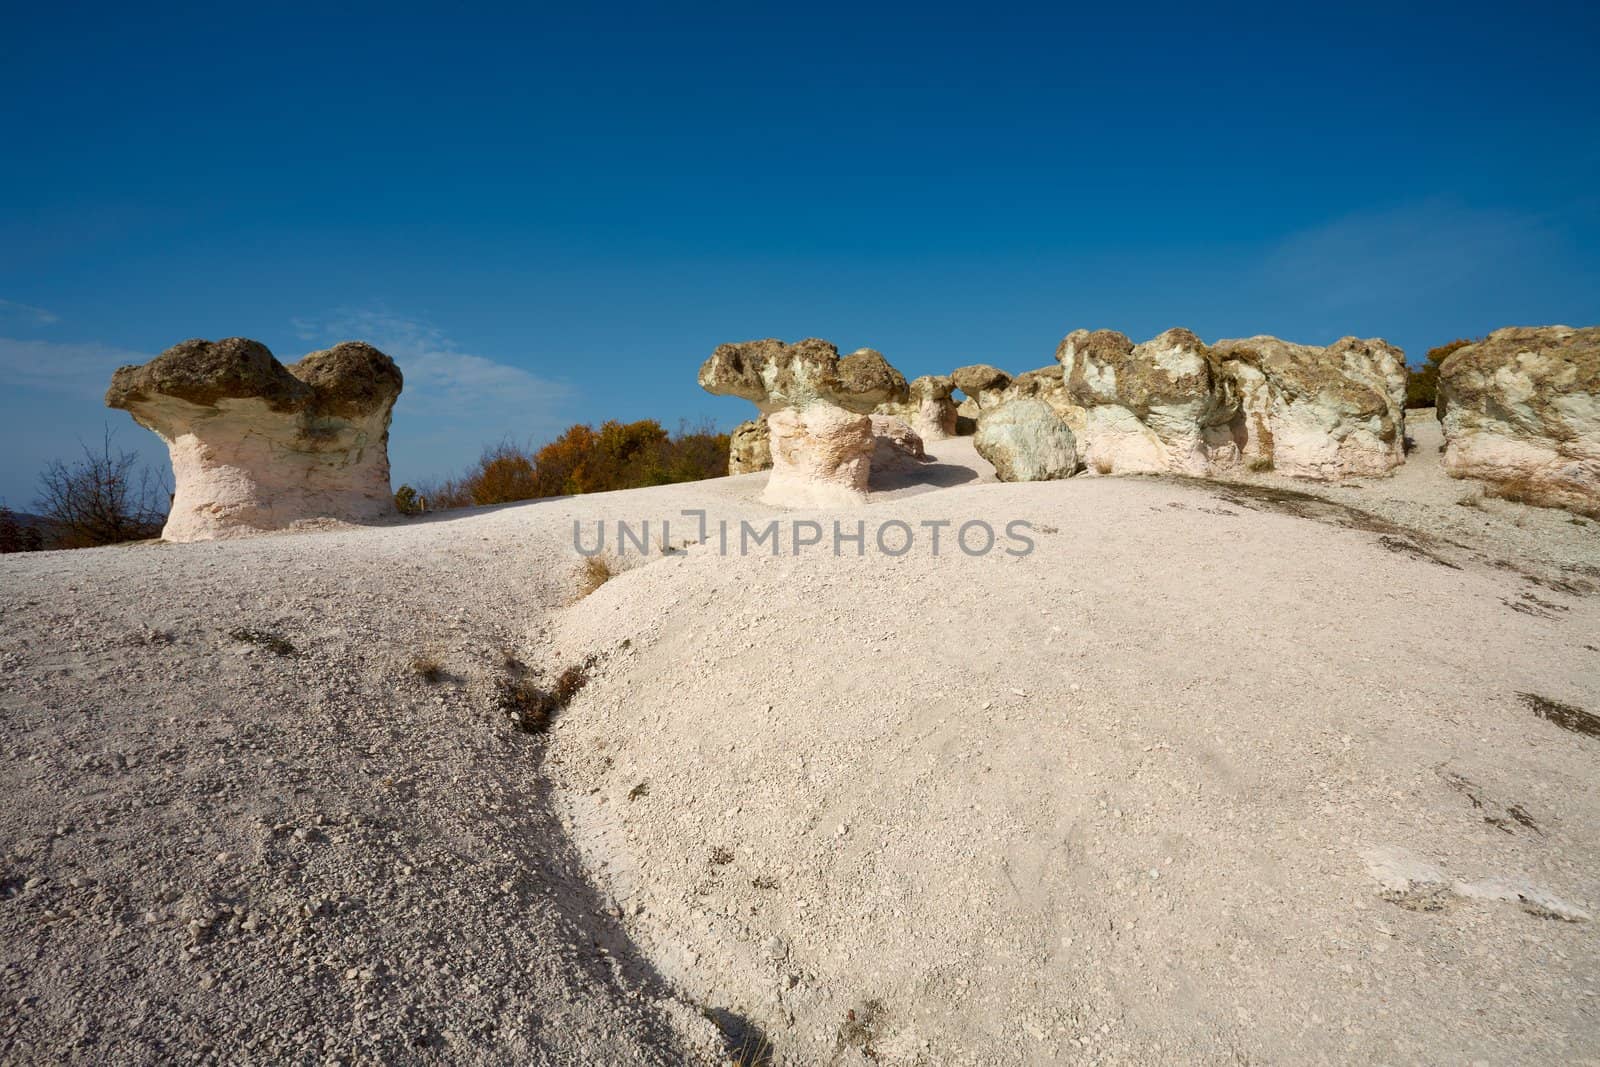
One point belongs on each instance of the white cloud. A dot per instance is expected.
(454, 402)
(70, 368)
(10, 309)
(441, 380)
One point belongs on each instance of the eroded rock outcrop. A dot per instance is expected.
(1156, 406)
(256, 445)
(1049, 384)
(1522, 408)
(1176, 404)
(895, 445)
(1026, 441)
(929, 407)
(816, 406)
(750, 447)
(984, 385)
(1311, 412)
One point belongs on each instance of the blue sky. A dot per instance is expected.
(550, 215)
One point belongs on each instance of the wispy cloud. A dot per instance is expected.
(12, 311)
(454, 402)
(1420, 249)
(440, 378)
(1419, 274)
(83, 369)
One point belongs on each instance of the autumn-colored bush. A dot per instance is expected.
(1422, 383)
(585, 460)
(504, 474)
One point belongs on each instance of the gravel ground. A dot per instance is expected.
(217, 853)
(1139, 797)
(1158, 792)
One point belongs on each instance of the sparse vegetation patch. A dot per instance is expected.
(860, 1027)
(595, 572)
(1566, 716)
(277, 644)
(429, 667)
(531, 707)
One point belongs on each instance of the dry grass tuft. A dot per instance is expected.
(277, 644)
(1102, 465)
(429, 667)
(531, 707)
(1261, 465)
(754, 1051)
(861, 1027)
(570, 683)
(595, 572)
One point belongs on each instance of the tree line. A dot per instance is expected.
(107, 496)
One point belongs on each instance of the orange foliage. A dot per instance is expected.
(584, 460)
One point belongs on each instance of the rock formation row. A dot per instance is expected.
(257, 445)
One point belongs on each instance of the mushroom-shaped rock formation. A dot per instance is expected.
(750, 447)
(1311, 412)
(984, 385)
(929, 409)
(1522, 408)
(1158, 406)
(1026, 441)
(259, 446)
(816, 407)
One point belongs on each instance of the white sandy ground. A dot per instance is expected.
(1206, 778)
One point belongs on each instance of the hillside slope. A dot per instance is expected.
(1215, 774)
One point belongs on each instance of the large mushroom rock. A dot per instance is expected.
(816, 406)
(749, 447)
(1026, 441)
(984, 385)
(1157, 406)
(929, 407)
(1311, 412)
(259, 446)
(1522, 408)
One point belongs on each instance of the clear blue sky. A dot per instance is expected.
(552, 215)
